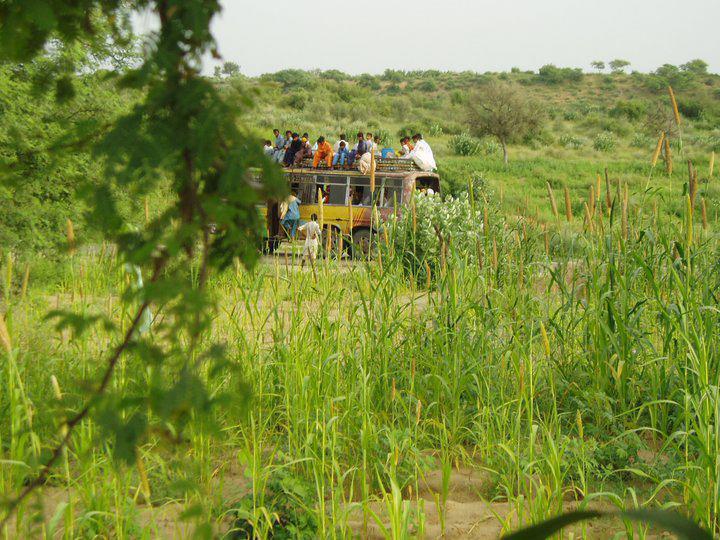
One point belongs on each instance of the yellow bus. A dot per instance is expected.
(346, 191)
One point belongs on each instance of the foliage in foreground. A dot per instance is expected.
(183, 132)
(576, 374)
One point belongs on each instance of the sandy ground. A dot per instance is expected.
(468, 514)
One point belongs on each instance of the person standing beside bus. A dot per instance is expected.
(313, 235)
(291, 219)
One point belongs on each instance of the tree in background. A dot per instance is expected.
(599, 65)
(228, 69)
(504, 111)
(181, 132)
(618, 66)
(696, 67)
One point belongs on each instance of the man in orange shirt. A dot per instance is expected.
(324, 152)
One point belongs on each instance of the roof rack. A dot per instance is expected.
(381, 164)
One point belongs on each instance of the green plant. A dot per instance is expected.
(604, 142)
(465, 145)
(570, 141)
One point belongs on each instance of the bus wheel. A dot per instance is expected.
(334, 252)
(270, 245)
(363, 244)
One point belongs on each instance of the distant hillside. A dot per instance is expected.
(632, 107)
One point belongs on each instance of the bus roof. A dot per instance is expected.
(357, 174)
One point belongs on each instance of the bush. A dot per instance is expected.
(427, 86)
(411, 129)
(298, 100)
(417, 249)
(641, 140)
(465, 145)
(632, 109)
(451, 128)
(457, 97)
(570, 141)
(604, 142)
(690, 108)
(551, 74)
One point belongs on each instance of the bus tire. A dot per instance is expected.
(363, 244)
(270, 245)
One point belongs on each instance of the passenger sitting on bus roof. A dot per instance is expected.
(291, 219)
(313, 235)
(370, 143)
(293, 149)
(407, 147)
(341, 156)
(268, 148)
(324, 152)
(279, 145)
(359, 150)
(280, 154)
(305, 151)
(422, 154)
(366, 163)
(342, 139)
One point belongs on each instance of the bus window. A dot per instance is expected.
(307, 192)
(335, 189)
(392, 191)
(360, 191)
(427, 182)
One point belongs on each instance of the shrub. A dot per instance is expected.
(427, 86)
(641, 140)
(491, 147)
(435, 130)
(411, 129)
(570, 141)
(457, 97)
(298, 100)
(451, 128)
(690, 108)
(604, 142)
(416, 250)
(632, 109)
(551, 74)
(465, 145)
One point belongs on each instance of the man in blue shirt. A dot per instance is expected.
(279, 145)
(359, 150)
(291, 219)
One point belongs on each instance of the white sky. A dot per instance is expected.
(480, 35)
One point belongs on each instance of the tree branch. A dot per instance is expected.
(73, 422)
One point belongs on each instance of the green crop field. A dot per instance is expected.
(542, 337)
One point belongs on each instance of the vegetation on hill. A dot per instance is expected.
(592, 121)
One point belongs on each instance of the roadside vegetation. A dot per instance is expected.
(541, 337)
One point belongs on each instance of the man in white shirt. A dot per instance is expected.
(313, 236)
(422, 154)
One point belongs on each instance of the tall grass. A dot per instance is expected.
(555, 359)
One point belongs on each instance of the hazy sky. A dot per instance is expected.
(480, 35)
